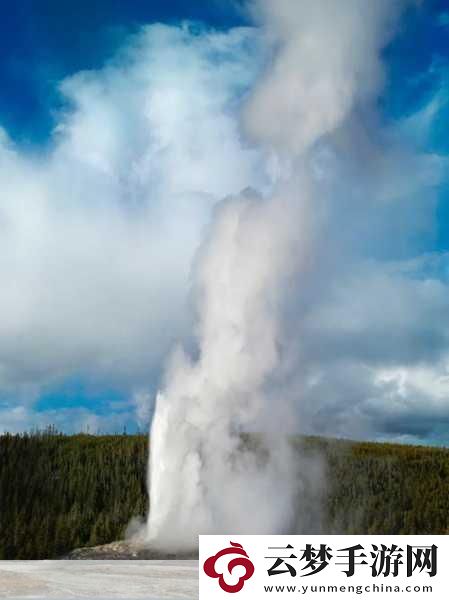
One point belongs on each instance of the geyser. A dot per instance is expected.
(203, 477)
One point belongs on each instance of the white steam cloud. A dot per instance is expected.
(325, 65)
(326, 60)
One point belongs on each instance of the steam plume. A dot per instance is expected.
(325, 64)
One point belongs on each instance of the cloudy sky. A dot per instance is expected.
(122, 127)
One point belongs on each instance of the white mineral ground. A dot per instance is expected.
(100, 580)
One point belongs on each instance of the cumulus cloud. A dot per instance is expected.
(98, 229)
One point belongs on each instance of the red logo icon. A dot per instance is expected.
(226, 568)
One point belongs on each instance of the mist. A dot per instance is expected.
(264, 246)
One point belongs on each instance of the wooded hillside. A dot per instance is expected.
(61, 492)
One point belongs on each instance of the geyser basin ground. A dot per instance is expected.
(130, 550)
(152, 580)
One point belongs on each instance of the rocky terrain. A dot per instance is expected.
(129, 550)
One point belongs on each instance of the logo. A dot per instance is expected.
(223, 571)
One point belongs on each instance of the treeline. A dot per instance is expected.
(61, 492)
(386, 489)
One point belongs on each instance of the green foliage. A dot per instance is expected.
(373, 488)
(60, 492)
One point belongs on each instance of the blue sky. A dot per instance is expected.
(46, 43)
(417, 66)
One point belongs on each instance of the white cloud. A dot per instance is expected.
(371, 356)
(98, 231)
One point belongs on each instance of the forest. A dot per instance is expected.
(60, 492)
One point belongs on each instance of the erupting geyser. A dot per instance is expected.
(202, 478)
